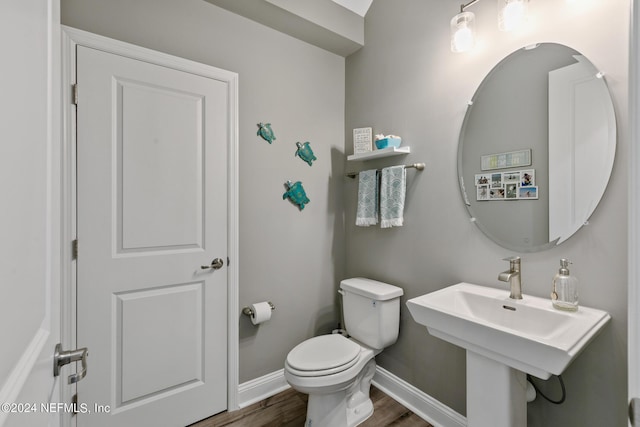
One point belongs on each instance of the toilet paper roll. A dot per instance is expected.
(261, 312)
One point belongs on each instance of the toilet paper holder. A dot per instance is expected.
(248, 312)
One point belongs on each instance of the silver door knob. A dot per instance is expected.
(61, 358)
(216, 264)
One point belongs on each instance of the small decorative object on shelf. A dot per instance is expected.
(383, 142)
(296, 194)
(305, 152)
(362, 140)
(264, 130)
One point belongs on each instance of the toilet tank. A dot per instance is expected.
(371, 311)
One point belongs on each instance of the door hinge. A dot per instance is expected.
(74, 249)
(74, 404)
(74, 94)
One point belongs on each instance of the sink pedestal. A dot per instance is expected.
(496, 393)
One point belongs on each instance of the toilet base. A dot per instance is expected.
(360, 413)
(344, 408)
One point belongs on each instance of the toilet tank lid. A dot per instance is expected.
(371, 288)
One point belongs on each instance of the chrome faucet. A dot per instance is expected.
(513, 276)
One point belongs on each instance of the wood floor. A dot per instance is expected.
(288, 409)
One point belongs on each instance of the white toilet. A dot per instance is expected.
(336, 371)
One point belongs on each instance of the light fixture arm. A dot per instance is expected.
(464, 6)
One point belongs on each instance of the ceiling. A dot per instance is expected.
(358, 6)
(333, 25)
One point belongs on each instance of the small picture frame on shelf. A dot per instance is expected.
(362, 140)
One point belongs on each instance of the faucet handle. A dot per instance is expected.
(514, 263)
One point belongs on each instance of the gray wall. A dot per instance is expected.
(291, 258)
(406, 81)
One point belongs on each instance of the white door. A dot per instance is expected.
(152, 209)
(580, 118)
(29, 218)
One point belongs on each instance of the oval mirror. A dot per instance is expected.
(536, 147)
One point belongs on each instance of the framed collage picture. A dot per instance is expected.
(511, 185)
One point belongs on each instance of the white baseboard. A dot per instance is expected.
(261, 388)
(420, 403)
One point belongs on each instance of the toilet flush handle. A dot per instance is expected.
(341, 292)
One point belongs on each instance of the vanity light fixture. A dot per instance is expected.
(463, 31)
(511, 14)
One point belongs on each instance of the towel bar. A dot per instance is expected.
(418, 166)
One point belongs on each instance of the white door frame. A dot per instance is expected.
(633, 344)
(72, 37)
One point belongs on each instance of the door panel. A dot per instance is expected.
(160, 167)
(152, 149)
(147, 321)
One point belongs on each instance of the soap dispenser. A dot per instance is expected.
(565, 288)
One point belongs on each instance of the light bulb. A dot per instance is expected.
(463, 35)
(512, 14)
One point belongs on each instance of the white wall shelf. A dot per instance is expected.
(378, 154)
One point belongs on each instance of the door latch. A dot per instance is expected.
(61, 358)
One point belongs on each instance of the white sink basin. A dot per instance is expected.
(528, 335)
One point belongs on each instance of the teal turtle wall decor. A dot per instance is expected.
(305, 152)
(265, 131)
(296, 194)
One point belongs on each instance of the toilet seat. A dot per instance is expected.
(323, 355)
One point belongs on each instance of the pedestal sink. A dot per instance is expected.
(505, 339)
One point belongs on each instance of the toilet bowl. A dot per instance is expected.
(338, 389)
(336, 371)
